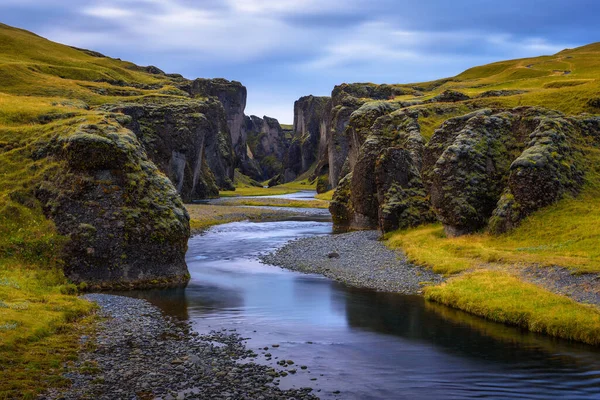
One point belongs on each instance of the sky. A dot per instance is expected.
(284, 49)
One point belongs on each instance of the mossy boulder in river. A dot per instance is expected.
(124, 221)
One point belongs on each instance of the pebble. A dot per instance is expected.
(142, 354)
(357, 259)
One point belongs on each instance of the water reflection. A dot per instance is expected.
(369, 345)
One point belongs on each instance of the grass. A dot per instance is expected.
(278, 203)
(501, 297)
(203, 216)
(325, 196)
(301, 184)
(256, 191)
(38, 330)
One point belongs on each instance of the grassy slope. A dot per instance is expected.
(564, 234)
(46, 90)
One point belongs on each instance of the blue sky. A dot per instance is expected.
(284, 49)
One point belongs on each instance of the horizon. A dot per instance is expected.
(269, 46)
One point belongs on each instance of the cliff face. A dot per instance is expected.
(267, 144)
(124, 221)
(189, 141)
(309, 127)
(232, 95)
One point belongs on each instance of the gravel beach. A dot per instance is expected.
(140, 354)
(356, 259)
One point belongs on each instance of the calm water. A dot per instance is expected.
(367, 345)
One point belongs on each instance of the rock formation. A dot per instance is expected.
(267, 145)
(483, 169)
(189, 141)
(309, 129)
(124, 221)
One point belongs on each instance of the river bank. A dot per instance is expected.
(137, 352)
(356, 259)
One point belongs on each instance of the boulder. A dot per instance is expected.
(469, 175)
(124, 223)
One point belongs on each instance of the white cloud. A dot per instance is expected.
(287, 7)
(107, 12)
(378, 44)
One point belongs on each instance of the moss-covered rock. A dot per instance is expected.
(189, 141)
(469, 176)
(341, 209)
(548, 168)
(124, 221)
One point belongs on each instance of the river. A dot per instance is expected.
(364, 344)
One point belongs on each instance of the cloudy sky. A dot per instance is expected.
(284, 49)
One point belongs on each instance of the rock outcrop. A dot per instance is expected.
(189, 141)
(267, 145)
(232, 95)
(309, 127)
(124, 222)
(483, 170)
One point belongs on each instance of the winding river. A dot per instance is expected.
(364, 344)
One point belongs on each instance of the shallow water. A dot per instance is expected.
(365, 344)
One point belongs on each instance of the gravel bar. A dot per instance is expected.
(140, 354)
(356, 259)
(583, 288)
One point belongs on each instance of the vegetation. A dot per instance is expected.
(269, 202)
(203, 216)
(501, 297)
(564, 234)
(47, 91)
(38, 311)
(325, 196)
(256, 191)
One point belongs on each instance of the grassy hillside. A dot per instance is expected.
(567, 81)
(46, 91)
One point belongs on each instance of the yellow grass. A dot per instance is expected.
(501, 297)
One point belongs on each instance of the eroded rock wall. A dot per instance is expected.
(309, 129)
(189, 141)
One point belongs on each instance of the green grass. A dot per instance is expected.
(325, 196)
(256, 191)
(40, 323)
(501, 297)
(301, 184)
(278, 203)
(203, 216)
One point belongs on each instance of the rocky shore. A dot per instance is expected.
(137, 353)
(356, 259)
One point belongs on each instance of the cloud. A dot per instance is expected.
(301, 46)
(377, 44)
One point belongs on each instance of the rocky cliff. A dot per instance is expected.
(267, 145)
(232, 95)
(189, 141)
(309, 137)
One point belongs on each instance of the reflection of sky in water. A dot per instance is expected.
(368, 345)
